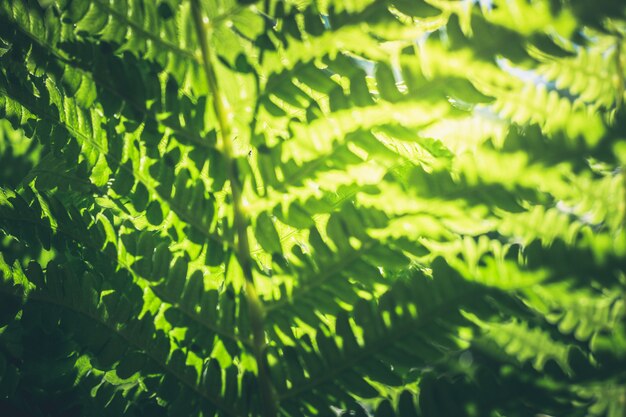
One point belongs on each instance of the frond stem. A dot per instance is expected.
(223, 113)
(619, 69)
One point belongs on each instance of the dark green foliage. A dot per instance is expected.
(359, 208)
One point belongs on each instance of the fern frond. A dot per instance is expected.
(379, 339)
(263, 208)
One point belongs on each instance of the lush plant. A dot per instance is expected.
(359, 207)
